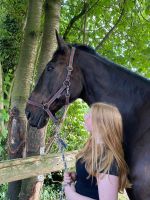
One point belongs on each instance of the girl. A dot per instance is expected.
(101, 171)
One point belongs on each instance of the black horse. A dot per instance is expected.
(96, 79)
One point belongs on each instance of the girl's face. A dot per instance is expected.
(88, 121)
(88, 126)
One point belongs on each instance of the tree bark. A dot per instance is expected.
(51, 23)
(21, 89)
(36, 138)
(35, 145)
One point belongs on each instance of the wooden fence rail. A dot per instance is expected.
(18, 169)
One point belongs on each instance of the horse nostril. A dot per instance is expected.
(28, 114)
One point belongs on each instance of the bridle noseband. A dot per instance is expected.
(65, 86)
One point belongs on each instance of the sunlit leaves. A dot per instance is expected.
(128, 44)
(73, 131)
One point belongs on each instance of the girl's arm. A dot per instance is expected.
(108, 186)
(72, 195)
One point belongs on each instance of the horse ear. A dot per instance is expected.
(60, 41)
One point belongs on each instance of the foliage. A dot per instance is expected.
(50, 193)
(12, 16)
(73, 130)
(52, 187)
(128, 44)
(3, 189)
(4, 115)
(3, 136)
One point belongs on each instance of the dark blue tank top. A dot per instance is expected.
(88, 186)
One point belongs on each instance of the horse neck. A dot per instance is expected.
(95, 77)
(108, 83)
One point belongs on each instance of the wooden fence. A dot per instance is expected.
(18, 169)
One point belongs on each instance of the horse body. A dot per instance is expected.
(96, 79)
(110, 85)
(137, 154)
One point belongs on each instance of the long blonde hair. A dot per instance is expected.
(99, 155)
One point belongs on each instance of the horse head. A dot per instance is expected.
(53, 79)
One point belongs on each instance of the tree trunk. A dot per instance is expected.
(35, 145)
(21, 89)
(51, 23)
(36, 138)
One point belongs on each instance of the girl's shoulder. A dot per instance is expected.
(114, 169)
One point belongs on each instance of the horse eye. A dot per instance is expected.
(50, 67)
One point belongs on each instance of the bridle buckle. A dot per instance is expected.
(67, 83)
(45, 106)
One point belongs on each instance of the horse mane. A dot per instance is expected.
(106, 61)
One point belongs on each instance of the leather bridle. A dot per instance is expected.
(65, 86)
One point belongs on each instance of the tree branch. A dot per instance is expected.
(76, 17)
(94, 4)
(140, 12)
(144, 17)
(112, 29)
